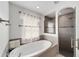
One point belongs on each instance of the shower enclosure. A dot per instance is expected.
(66, 26)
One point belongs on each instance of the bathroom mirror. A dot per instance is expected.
(49, 24)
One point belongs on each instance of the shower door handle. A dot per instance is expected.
(78, 43)
(72, 43)
(77, 46)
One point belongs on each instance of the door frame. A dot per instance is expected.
(74, 7)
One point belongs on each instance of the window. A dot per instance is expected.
(49, 25)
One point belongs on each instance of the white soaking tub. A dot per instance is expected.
(31, 49)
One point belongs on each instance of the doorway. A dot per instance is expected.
(66, 31)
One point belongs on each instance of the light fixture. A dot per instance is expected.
(37, 7)
(56, 2)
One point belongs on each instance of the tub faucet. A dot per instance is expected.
(19, 55)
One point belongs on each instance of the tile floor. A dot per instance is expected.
(64, 54)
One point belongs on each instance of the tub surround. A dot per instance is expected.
(54, 50)
(14, 43)
(51, 37)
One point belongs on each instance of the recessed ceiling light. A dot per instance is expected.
(37, 7)
(56, 2)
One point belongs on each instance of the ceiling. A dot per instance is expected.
(66, 11)
(41, 7)
(62, 12)
(51, 15)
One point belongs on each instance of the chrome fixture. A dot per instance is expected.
(1, 20)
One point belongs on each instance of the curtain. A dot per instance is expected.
(30, 28)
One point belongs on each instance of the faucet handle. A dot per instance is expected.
(19, 55)
(72, 42)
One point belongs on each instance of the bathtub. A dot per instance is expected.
(31, 49)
